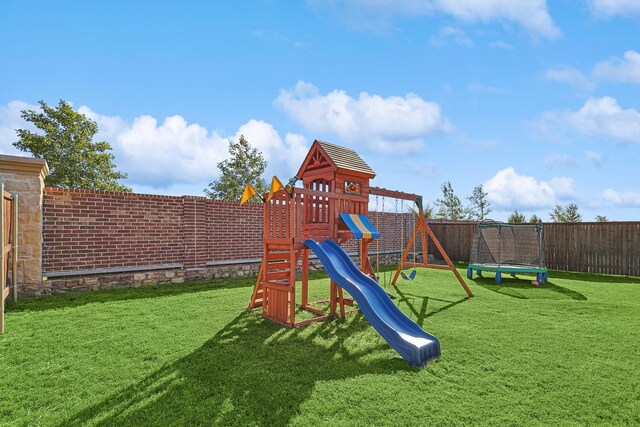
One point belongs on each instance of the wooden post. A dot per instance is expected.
(14, 248)
(3, 283)
(305, 277)
(446, 258)
(332, 298)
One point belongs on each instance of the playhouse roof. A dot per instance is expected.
(341, 157)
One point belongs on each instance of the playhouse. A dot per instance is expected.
(329, 210)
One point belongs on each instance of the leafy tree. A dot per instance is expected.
(516, 218)
(566, 214)
(75, 160)
(427, 211)
(245, 164)
(450, 206)
(601, 218)
(534, 219)
(479, 204)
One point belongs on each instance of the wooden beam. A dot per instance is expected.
(377, 191)
(446, 258)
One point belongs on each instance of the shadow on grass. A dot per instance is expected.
(75, 299)
(595, 278)
(523, 289)
(420, 313)
(252, 372)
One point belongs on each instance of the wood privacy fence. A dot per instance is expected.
(592, 247)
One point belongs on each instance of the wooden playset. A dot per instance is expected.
(332, 204)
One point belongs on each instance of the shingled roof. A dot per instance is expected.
(345, 158)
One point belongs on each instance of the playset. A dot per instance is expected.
(328, 210)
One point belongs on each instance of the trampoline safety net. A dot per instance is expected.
(508, 244)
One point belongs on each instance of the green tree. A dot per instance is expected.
(479, 204)
(450, 206)
(566, 214)
(75, 160)
(427, 211)
(534, 219)
(601, 218)
(516, 218)
(245, 164)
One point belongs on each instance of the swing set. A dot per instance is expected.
(420, 229)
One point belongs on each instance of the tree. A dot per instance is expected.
(479, 204)
(427, 211)
(566, 214)
(601, 218)
(450, 206)
(516, 218)
(245, 164)
(534, 219)
(75, 160)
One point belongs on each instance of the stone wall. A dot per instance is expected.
(25, 177)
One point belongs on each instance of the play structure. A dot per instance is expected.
(508, 248)
(329, 210)
(9, 258)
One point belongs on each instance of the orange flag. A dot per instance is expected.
(248, 193)
(276, 186)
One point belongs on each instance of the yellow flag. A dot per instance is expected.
(276, 186)
(248, 193)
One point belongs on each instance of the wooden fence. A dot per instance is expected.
(593, 247)
(8, 237)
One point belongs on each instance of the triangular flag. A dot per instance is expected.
(276, 186)
(248, 193)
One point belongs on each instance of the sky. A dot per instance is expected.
(538, 101)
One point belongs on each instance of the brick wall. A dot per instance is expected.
(85, 230)
(143, 239)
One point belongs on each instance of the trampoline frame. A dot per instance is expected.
(539, 270)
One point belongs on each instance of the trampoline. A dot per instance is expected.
(508, 248)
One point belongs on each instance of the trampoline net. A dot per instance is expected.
(508, 244)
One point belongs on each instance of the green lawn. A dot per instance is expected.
(566, 353)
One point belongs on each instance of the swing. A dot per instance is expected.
(411, 275)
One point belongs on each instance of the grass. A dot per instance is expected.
(565, 353)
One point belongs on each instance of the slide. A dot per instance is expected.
(412, 343)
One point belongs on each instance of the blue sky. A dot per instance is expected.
(538, 101)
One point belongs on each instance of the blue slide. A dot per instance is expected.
(412, 343)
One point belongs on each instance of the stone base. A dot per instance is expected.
(137, 279)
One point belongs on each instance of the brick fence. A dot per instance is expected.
(95, 240)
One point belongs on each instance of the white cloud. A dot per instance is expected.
(509, 190)
(531, 14)
(628, 199)
(367, 14)
(277, 152)
(449, 34)
(171, 154)
(559, 161)
(161, 154)
(597, 118)
(10, 120)
(609, 8)
(596, 158)
(396, 123)
(625, 70)
(571, 76)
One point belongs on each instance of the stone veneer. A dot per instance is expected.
(220, 270)
(25, 176)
